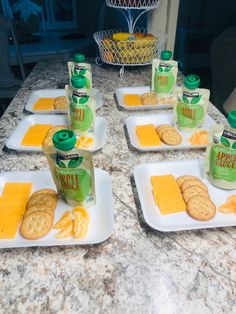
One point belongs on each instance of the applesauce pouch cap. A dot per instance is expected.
(72, 170)
(79, 67)
(164, 74)
(191, 109)
(82, 112)
(220, 163)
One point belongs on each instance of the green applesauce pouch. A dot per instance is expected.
(220, 165)
(191, 109)
(79, 67)
(164, 75)
(72, 169)
(82, 111)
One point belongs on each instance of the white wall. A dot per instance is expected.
(163, 20)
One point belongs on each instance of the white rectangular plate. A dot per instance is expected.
(101, 215)
(179, 221)
(14, 141)
(120, 92)
(53, 93)
(157, 119)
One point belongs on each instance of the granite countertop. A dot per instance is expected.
(137, 270)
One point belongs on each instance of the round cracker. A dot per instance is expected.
(43, 198)
(39, 207)
(46, 191)
(201, 208)
(61, 106)
(162, 127)
(171, 137)
(56, 128)
(180, 180)
(36, 225)
(48, 141)
(194, 190)
(193, 182)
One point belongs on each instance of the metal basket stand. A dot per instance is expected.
(129, 52)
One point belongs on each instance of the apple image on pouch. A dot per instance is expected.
(164, 81)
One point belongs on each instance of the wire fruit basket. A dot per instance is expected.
(139, 47)
(139, 51)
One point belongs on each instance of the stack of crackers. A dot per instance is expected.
(39, 215)
(195, 194)
(149, 99)
(48, 138)
(169, 135)
(60, 103)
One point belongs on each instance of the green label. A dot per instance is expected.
(81, 117)
(75, 182)
(190, 116)
(223, 163)
(164, 79)
(83, 71)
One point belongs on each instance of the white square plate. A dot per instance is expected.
(178, 221)
(120, 92)
(14, 141)
(53, 93)
(157, 119)
(101, 215)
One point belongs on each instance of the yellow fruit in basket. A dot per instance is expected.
(149, 36)
(107, 43)
(109, 57)
(122, 36)
(64, 221)
(139, 35)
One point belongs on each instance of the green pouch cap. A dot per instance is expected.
(232, 118)
(192, 81)
(79, 57)
(166, 55)
(78, 81)
(64, 140)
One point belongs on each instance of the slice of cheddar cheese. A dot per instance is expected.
(164, 181)
(35, 135)
(44, 104)
(167, 194)
(11, 212)
(40, 128)
(147, 135)
(132, 100)
(12, 207)
(19, 189)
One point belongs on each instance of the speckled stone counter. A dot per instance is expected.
(137, 270)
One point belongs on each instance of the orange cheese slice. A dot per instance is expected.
(164, 181)
(147, 135)
(12, 207)
(132, 100)
(44, 104)
(35, 135)
(19, 189)
(167, 194)
(11, 212)
(40, 127)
